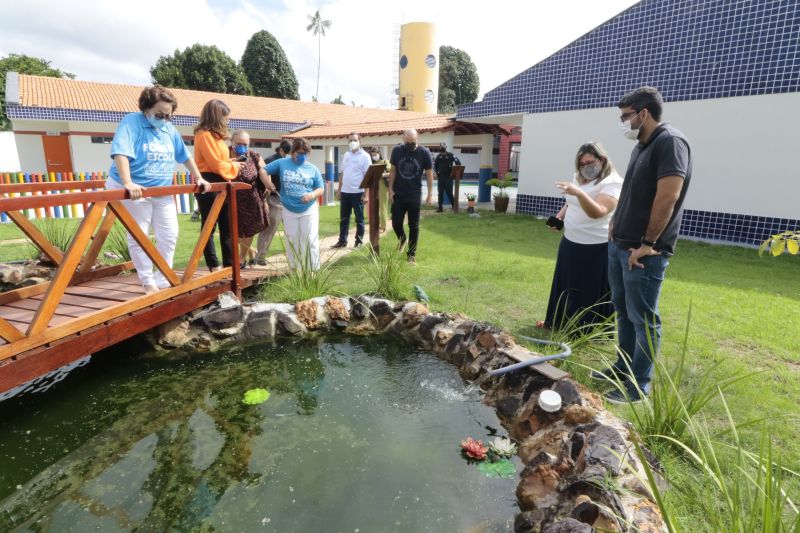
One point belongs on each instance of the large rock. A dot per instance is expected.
(261, 323)
(568, 525)
(539, 488)
(415, 313)
(338, 310)
(227, 313)
(175, 333)
(382, 312)
(605, 447)
(308, 312)
(289, 324)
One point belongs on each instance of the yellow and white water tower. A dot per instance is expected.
(419, 67)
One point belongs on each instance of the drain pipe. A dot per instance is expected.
(565, 352)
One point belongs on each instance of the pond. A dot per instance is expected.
(358, 435)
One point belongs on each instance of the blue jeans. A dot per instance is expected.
(351, 202)
(634, 294)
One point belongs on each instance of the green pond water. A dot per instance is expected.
(358, 435)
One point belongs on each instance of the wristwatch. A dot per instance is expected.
(647, 243)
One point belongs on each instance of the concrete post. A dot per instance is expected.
(330, 178)
(485, 174)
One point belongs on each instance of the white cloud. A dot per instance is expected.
(120, 41)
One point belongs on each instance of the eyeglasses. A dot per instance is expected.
(163, 116)
(623, 117)
(587, 163)
(243, 144)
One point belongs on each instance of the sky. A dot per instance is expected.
(119, 41)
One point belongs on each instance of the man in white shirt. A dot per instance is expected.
(355, 163)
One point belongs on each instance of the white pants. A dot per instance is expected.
(161, 215)
(302, 234)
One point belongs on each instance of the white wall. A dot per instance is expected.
(31, 153)
(744, 149)
(88, 156)
(9, 156)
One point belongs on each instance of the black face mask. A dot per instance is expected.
(411, 146)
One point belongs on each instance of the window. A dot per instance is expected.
(317, 147)
(260, 144)
(470, 150)
(102, 140)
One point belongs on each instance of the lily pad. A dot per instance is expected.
(256, 396)
(503, 468)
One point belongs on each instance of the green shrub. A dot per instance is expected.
(59, 231)
(302, 282)
(386, 270)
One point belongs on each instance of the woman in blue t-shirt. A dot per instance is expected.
(145, 148)
(301, 185)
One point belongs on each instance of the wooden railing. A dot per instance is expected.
(77, 263)
(184, 202)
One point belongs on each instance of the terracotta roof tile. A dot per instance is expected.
(390, 127)
(39, 91)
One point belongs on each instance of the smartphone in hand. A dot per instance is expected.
(241, 158)
(555, 223)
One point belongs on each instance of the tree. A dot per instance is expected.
(338, 100)
(458, 79)
(23, 64)
(268, 69)
(318, 27)
(202, 68)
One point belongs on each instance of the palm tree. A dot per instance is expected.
(318, 26)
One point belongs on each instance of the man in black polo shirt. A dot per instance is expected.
(643, 233)
(443, 166)
(409, 160)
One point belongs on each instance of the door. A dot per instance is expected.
(56, 153)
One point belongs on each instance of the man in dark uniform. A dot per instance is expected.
(443, 166)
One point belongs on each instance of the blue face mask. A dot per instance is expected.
(156, 123)
(300, 158)
(240, 149)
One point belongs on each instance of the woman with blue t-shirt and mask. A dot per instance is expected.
(145, 148)
(301, 185)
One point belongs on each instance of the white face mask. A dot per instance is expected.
(353, 146)
(629, 132)
(375, 157)
(590, 172)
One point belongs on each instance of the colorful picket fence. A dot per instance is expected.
(184, 202)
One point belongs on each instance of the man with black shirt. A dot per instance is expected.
(409, 161)
(443, 166)
(274, 204)
(643, 233)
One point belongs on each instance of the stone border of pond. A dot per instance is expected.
(581, 470)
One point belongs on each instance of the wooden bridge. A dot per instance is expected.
(87, 307)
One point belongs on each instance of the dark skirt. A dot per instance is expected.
(580, 285)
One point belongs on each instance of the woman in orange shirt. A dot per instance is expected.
(213, 159)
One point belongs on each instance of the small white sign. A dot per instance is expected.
(54, 134)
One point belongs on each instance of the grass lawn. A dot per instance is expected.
(745, 313)
(498, 268)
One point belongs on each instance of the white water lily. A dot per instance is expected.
(503, 447)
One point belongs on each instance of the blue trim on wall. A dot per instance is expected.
(688, 49)
(734, 228)
(330, 172)
(83, 115)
